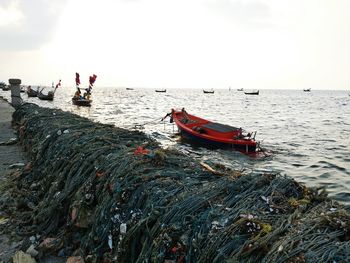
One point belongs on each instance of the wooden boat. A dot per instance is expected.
(208, 91)
(81, 102)
(212, 134)
(256, 92)
(307, 90)
(4, 87)
(48, 96)
(129, 88)
(84, 100)
(31, 92)
(160, 90)
(241, 89)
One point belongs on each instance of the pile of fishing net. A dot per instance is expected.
(111, 194)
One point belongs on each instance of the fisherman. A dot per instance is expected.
(77, 94)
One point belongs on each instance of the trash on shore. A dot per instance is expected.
(108, 194)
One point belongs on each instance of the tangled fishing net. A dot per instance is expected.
(114, 195)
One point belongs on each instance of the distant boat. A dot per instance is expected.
(256, 92)
(80, 99)
(307, 90)
(81, 102)
(4, 87)
(49, 96)
(160, 90)
(129, 89)
(241, 89)
(208, 91)
(31, 92)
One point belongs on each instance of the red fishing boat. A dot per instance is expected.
(213, 134)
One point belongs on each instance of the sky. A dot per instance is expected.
(251, 44)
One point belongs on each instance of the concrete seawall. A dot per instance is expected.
(109, 194)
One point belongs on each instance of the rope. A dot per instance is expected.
(141, 126)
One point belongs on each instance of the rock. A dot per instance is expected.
(21, 257)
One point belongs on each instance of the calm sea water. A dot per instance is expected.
(308, 133)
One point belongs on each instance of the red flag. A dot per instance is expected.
(77, 79)
(92, 79)
(58, 84)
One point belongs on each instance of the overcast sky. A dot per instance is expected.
(216, 44)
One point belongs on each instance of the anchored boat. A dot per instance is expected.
(83, 99)
(50, 95)
(31, 92)
(81, 102)
(255, 92)
(208, 91)
(213, 134)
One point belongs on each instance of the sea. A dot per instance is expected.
(305, 135)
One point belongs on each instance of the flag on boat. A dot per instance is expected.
(58, 84)
(92, 79)
(77, 79)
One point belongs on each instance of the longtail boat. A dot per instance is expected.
(31, 92)
(256, 92)
(83, 100)
(49, 96)
(208, 91)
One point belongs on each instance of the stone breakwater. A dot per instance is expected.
(113, 195)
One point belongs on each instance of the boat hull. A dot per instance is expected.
(45, 97)
(32, 93)
(82, 102)
(252, 93)
(215, 144)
